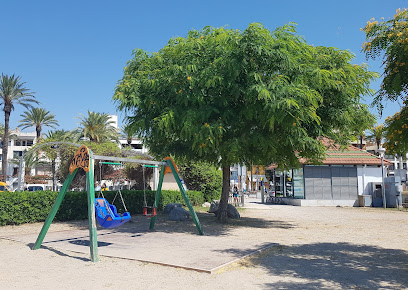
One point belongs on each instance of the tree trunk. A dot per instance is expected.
(38, 130)
(222, 214)
(361, 142)
(5, 144)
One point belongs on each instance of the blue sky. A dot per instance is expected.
(72, 53)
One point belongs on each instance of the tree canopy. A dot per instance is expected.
(97, 127)
(39, 118)
(397, 132)
(244, 96)
(228, 96)
(389, 39)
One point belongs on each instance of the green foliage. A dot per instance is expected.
(25, 207)
(228, 96)
(135, 172)
(37, 117)
(97, 127)
(29, 207)
(105, 149)
(390, 38)
(204, 177)
(376, 134)
(12, 92)
(397, 132)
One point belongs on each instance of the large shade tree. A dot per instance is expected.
(254, 96)
(38, 118)
(388, 39)
(12, 92)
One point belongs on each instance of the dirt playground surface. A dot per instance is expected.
(311, 247)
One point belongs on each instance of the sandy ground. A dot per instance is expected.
(316, 247)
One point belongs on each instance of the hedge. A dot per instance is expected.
(29, 207)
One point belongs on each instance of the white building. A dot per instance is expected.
(17, 145)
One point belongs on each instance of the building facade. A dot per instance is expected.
(342, 177)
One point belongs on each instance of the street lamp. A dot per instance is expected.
(381, 151)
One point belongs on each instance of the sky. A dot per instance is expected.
(72, 53)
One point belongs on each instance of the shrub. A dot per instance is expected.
(29, 207)
(204, 177)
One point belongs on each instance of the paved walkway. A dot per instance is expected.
(252, 202)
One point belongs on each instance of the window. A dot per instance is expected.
(404, 165)
(137, 146)
(18, 143)
(17, 154)
(30, 142)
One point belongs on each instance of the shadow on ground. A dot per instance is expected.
(208, 221)
(344, 265)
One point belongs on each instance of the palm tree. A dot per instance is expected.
(38, 117)
(377, 134)
(97, 127)
(128, 132)
(12, 92)
(53, 152)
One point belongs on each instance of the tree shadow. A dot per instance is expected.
(208, 221)
(341, 265)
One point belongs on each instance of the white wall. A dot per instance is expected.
(365, 175)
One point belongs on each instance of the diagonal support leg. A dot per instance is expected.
(186, 199)
(54, 210)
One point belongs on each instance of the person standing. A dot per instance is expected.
(235, 195)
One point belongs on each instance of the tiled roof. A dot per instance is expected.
(336, 155)
(348, 156)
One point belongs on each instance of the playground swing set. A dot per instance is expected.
(99, 208)
(106, 213)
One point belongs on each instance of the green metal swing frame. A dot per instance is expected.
(85, 159)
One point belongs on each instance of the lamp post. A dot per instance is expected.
(382, 153)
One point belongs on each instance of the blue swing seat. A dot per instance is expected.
(107, 214)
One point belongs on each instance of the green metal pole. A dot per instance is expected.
(54, 210)
(158, 194)
(186, 199)
(93, 239)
